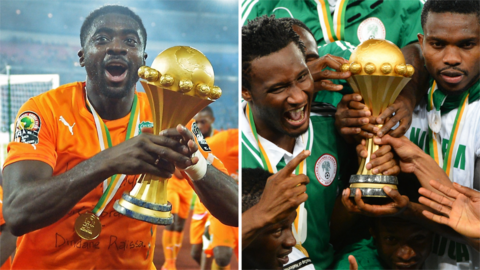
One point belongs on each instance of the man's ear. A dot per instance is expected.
(246, 95)
(145, 55)
(81, 55)
(420, 40)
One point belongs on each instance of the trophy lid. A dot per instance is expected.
(183, 69)
(379, 57)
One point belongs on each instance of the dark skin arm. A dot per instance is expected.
(8, 244)
(34, 198)
(283, 193)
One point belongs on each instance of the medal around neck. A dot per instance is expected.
(179, 84)
(379, 74)
(88, 226)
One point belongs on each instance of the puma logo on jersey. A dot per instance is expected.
(70, 128)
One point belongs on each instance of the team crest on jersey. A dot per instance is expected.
(371, 28)
(27, 128)
(201, 141)
(326, 169)
(143, 124)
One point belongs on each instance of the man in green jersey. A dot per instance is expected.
(277, 125)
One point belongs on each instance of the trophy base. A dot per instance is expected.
(371, 186)
(131, 207)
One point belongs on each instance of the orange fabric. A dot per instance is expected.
(8, 263)
(224, 146)
(179, 194)
(168, 249)
(177, 242)
(222, 235)
(124, 242)
(197, 226)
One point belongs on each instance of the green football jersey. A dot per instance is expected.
(366, 254)
(325, 168)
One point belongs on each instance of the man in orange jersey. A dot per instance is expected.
(7, 240)
(204, 120)
(179, 194)
(224, 239)
(71, 141)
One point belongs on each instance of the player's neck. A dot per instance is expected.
(283, 141)
(110, 108)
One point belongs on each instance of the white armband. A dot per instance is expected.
(197, 171)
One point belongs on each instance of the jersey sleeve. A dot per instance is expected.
(411, 23)
(34, 137)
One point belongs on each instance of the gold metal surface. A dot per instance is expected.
(173, 99)
(400, 69)
(409, 71)
(88, 226)
(345, 67)
(386, 68)
(355, 68)
(377, 52)
(379, 87)
(372, 185)
(167, 80)
(370, 68)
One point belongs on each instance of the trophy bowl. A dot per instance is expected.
(379, 74)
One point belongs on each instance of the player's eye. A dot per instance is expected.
(277, 232)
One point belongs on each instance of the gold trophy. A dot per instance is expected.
(379, 74)
(178, 85)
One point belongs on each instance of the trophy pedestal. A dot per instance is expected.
(372, 185)
(132, 207)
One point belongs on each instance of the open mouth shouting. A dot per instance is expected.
(116, 72)
(296, 117)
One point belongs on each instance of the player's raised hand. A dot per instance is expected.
(400, 202)
(283, 193)
(460, 205)
(322, 77)
(403, 109)
(353, 117)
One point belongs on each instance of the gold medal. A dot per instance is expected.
(88, 226)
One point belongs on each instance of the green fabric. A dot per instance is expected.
(452, 102)
(400, 18)
(321, 200)
(364, 251)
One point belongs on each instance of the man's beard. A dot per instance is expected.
(461, 91)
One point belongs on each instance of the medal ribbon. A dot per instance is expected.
(112, 184)
(301, 169)
(332, 29)
(434, 103)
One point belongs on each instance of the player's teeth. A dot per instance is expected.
(296, 115)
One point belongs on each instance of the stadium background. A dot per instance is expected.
(42, 37)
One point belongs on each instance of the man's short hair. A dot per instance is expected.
(298, 23)
(263, 36)
(253, 184)
(452, 6)
(107, 10)
(208, 110)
